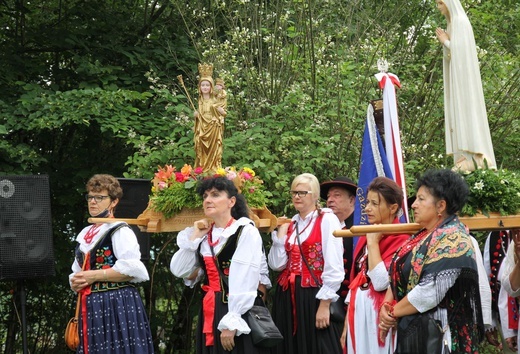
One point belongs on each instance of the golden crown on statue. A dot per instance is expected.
(205, 70)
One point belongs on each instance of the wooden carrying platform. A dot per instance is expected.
(151, 221)
(479, 222)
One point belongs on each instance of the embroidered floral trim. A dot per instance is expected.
(225, 267)
(316, 257)
(104, 258)
(454, 245)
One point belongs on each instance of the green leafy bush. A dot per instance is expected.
(492, 191)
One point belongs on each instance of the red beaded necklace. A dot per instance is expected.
(402, 252)
(411, 244)
(210, 233)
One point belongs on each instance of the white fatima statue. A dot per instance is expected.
(467, 130)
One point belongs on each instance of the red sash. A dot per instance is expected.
(388, 246)
(84, 293)
(208, 302)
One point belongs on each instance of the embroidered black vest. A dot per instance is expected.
(102, 257)
(223, 261)
(498, 244)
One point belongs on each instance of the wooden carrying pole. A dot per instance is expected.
(144, 222)
(387, 229)
(480, 222)
(151, 222)
(474, 223)
(140, 222)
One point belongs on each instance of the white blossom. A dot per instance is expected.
(479, 185)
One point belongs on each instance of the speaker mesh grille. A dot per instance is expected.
(135, 200)
(26, 248)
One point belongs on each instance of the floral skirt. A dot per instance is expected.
(116, 323)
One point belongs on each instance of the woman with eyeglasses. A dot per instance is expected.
(310, 260)
(107, 264)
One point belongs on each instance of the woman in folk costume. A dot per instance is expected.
(227, 256)
(466, 122)
(369, 279)
(310, 260)
(209, 123)
(112, 316)
(434, 298)
(510, 280)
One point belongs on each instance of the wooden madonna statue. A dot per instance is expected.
(209, 114)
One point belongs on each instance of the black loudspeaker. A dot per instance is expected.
(135, 200)
(26, 247)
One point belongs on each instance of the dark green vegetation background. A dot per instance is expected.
(91, 87)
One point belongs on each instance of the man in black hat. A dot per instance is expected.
(340, 195)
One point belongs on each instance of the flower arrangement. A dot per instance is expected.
(492, 191)
(174, 190)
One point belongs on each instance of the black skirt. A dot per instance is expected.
(307, 339)
(243, 342)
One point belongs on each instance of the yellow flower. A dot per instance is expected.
(220, 171)
(250, 171)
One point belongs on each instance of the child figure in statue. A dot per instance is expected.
(209, 123)
(466, 123)
(220, 93)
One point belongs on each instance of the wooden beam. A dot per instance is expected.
(140, 222)
(480, 222)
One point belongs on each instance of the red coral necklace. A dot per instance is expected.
(210, 233)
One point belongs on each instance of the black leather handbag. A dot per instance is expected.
(424, 334)
(264, 332)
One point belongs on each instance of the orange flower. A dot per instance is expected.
(186, 170)
(164, 173)
(169, 170)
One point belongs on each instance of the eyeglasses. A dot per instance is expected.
(97, 198)
(300, 194)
